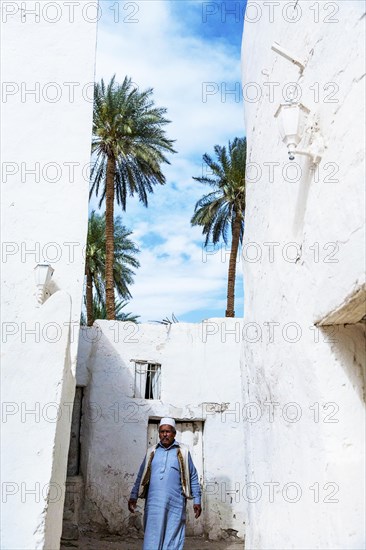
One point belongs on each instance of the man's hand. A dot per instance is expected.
(197, 510)
(132, 505)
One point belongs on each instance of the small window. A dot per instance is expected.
(147, 379)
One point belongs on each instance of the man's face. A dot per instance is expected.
(166, 435)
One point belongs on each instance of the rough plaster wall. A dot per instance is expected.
(35, 433)
(42, 221)
(200, 378)
(316, 369)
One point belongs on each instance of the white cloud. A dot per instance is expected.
(157, 52)
(178, 275)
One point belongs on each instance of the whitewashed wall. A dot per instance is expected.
(200, 378)
(47, 87)
(304, 454)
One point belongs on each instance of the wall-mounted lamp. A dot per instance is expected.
(292, 120)
(42, 275)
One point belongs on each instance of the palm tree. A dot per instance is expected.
(121, 315)
(129, 146)
(100, 312)
(224, 206)
(95, 261)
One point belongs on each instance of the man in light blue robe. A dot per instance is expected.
(167, 477)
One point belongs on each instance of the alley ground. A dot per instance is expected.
(117, 543)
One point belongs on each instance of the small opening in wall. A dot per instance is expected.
(147, 379)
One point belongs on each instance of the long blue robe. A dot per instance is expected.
(165, 508)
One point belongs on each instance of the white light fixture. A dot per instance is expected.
(42, 275)
(292, 121)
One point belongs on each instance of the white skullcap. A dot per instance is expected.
(167, 420)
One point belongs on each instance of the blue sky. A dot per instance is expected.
(189, 52)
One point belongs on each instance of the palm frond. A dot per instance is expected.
(130, 128)
(226, 175)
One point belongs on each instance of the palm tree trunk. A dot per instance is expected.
(89, 298)
(109, 235)
(230, 312)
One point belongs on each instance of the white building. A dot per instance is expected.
(303, 351)
(47, 74)
(129, 377)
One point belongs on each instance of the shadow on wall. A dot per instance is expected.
(110, 416)
(303, 194)
(219, 495)
(348, 345)
(96, 483)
